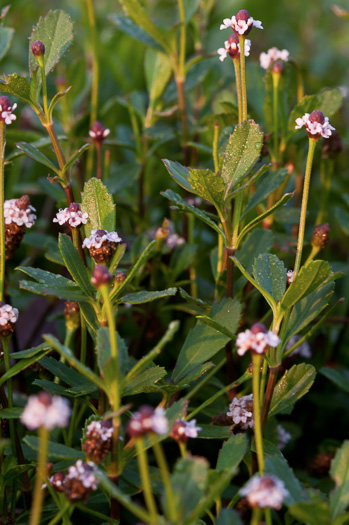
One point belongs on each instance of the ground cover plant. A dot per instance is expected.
(173, 263)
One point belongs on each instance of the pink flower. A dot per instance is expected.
(273, 54)
(316, 125)
(265, 491)
(44, 410)
(232, 48)
(258, 339)
(242, 23)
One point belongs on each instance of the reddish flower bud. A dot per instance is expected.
(57, 481)
(98, 132)
(256, 328)
(100, 276)
(38, 49)
(277, 68)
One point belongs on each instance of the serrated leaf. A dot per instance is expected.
(55, 450)
(293, 385)
(265, 293)
(339, 497)
(6, 34)
(37, 155)
(56, 32)
(241, 153)
(75, 265)
(17, 86)
(98, 203)
(128, 27)
(232, 452)
(270, 273)
(179, 173)
(146, 297)
(208, 185)
(51, 284)
(278, 466)
(75, 156)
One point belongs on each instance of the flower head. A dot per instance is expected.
(241, 411)
(256, 340)
(265, 491)
(147, 420)
(80, 481)
(44, 410)
(102, 245)
(98, 440)
(316, 125)
(98, 132)
(232, 48)
(38, 49)
(6, 109)
(8, 318)
(272, 55)
(183, 430)
(72, 216)
(20, 212)
(242, 23)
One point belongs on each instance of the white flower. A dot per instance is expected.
(183, 430)
(233, 48)
(85, 473)
(241, 411)
(173, 240)
(303, 349)
(105, 432)
(256, 340)
(18, 215)
(241, 26)
(72, 216)
(316, 125)
(159, 422)
(146, 420)
(98, 132)
(99, 237)
(290, 276)
(44, 410)
(273, 54)
(283, 437)
(6, 113)
(8, 314)
(265, 491)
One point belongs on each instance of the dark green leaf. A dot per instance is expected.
(17, 86)
(75, 156)
(338, 376)
(264, 292)
(208, 185)
(55, 450)
(182, 257)
(293, 385)
(158, 70)
(145, 382)
(146, 297)
(11, 413)
(126, 25)
(90, 316)
(67, 374)
(35, 154)
(22, 365)
(6, 34)
(339, 497)
(270, 273)
(257, 242)
(75, 265)
(217, 326)
(98, 203)
(232, 452)
(55, 31)
(269, 182)
(62, 292)
(278, 466)
(179, 173)
(194, 300)
(189, 482)
(214, 432)
(24, 354)
(104, 351)
(228, 517)
(312, 513)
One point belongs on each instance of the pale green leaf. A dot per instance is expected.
(98, 203)
(293, 385)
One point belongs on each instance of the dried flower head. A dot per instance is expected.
(272, 55)
(72, 216)
(80, 481)
(242, 23)
(283, 437)
(98, 440)
(146, 420)
(102, 245)
(316, 125)
(38, 49)
(241, 411)
(232, 48)
(257, 340)
(303, 349)
(183, 430)
(265, 491)
(100, 276)
(44, 410)
(6, 109)
(320, 236)
(8, 319)
(98, 132)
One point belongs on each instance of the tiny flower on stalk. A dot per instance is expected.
(316, 125)
(183, 430)
(102, 245)
(232, 48)
(80, 481)
(283, 437)
(100, 276)
(6, 109)
(320, 236)
(242, 23)
(98, 132)
(257, 340)
(44, 410)
(57, 481)
(241, 411)
(147, 420)
(290, 276)
(273, 54)
(72, 216)
(8, 319)
(98, 440)
(265, 491)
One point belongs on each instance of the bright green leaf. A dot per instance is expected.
(270, 273)
(293, 385)
(208, 185)
(17, 86)
(146, 297)
(74, 264)
(37, 155)
(98, 203)
(6, 34)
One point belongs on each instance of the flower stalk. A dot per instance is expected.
(2, 198)
(256, 361)
(36, 509)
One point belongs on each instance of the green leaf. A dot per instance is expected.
(75, 156)
(278, 466)
(194, 300)
(22, 365)
(203, 342)
(57, 97)
(67, 374)
(126, 25)
(24, 354)
(75, 265)
(136, 12)
(6, 34)
(270, 273)
(17, 86)
(103, 350)
(339, 497)
(242, 151)
(11, 413)
(35, 154)
(146, 297)
(98, 203)
(228, 517)
(232, 452)
(269, 182)
(55, 31)
(55, 450)
(312, 513)
(182, 257)
(145, 382)
(181, 204)
(338, 376)
(293, 385)
(217, 326)
(179, 173)
(189, 482)
(310, 277)
(208, 185)
(214, 432)
(158, 71)
(257, 242)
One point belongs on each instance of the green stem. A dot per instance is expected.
(243, 77)
(2, 219)
(145, 478)
(6, 349)
(256, 360)
(215, 147)
(41, 61)
(268, 518)
(256, 516)
(314, 251)
(60, 514)
(83, 346)
(35, 513)
(236, 62)
(166, 480)
(95, 79)
(192, 270)
(306, 185)
(276, 78)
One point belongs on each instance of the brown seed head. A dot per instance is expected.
(23, 202)
(320, 236)
(57, 481)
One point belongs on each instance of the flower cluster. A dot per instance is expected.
(98, 440)
(316, 125)
(232, 48)
(147, 420)
(20, 212)
(6, 109)
(102, 245)
(258, 339)
(183, 430)
(273, 54)
(80, 481)
(72, 216)
(265, 491)
(8, 318)
(44, 410)
(242, 23)
(241, 411)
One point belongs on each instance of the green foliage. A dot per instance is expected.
(6, 36)
(17, 86)
(232, 452)
(270, 274)
(339, 497)
(98, 203)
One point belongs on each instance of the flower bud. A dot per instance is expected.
(38, 49)
(147, 420)
(98, 440)
(57, 481)
(72, 315)
(320, 236)
(120, 278)
(100, 276)
(98, 132)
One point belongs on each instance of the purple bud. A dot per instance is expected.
(38, 49)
